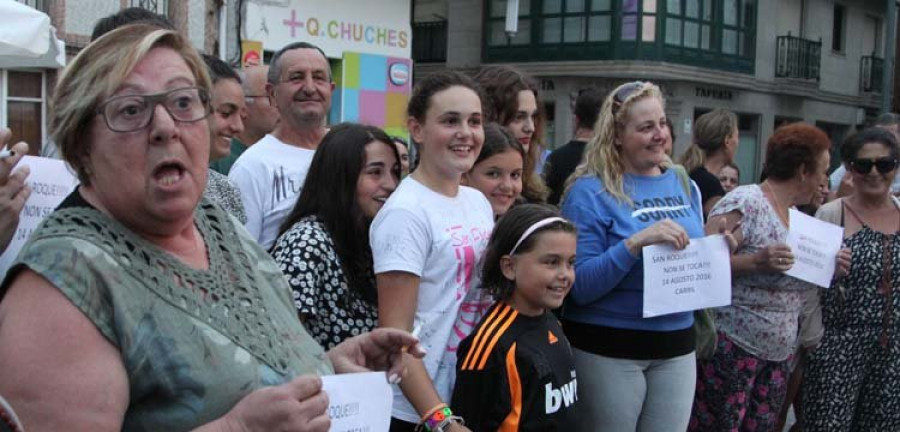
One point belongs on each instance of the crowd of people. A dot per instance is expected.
(226, 248)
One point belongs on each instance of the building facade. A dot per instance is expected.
(24, 91)
(769, 61)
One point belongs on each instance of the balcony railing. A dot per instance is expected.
(429, 42)
(41, 5)
(871, 73)
(798, 58)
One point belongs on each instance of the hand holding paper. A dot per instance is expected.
(300, 404)
(665, 231)
(815, 244)
(696, 277)
(51, 182)
(776, 258)
(13, 190)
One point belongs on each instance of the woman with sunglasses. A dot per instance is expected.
(634, 373)
(743, 385)
(853, 377)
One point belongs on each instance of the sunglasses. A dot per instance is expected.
(625, 91)
(883, 165)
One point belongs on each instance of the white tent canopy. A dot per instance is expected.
(27, 40)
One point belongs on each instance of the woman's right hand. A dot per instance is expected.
(13, 190)
(664, 231)
(775, 258)
(299, 405)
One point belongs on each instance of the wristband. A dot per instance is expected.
(432, 411)
(437, 418)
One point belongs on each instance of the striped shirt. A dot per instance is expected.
(516, 373)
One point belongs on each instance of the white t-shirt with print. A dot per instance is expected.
(270, 175)
(441, 240)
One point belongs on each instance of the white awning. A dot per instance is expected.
(27, 40)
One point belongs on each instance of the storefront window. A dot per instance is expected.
(24, 107)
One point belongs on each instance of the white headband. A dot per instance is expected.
(534, 227)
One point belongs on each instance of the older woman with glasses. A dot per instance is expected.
(634, 373)
(138, 305)
(853, 377)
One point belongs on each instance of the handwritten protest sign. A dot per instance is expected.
(359, 402)
(50, 181)
(815, 244)
(697, 277)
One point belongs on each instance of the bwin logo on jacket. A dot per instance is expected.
(555, 398)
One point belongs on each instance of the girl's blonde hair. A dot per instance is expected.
(602, 158)
(96, 73)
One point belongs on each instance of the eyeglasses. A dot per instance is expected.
(129, 113)
(883, 165)
(625, 91)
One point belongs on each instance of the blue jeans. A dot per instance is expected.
(622, 395)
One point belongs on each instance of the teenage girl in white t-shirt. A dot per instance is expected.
(427, 242)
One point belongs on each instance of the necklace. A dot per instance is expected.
(782, 213)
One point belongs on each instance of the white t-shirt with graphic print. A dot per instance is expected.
(441, 240)
(270, 175)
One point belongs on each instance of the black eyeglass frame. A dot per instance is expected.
(152, 100)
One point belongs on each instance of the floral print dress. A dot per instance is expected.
(331, 310)
(742, 387)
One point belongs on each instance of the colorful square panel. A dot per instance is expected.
(371, 108)
(372, 72)
(334, 115)
(395, 110)
(351, 104)
(350, 69)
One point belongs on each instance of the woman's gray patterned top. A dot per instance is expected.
(220, 190)
(193, 342)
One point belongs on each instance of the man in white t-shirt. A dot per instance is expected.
(270, 174)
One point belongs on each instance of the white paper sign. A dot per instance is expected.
(50, 181)
(815, 244)
(359, 402)
(697, 277)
